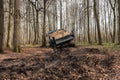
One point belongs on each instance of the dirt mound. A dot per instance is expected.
(61, 66)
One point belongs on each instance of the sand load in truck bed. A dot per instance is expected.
(59, 34)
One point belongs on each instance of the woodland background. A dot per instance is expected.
(27, 22)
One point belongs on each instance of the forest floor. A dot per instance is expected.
(79, 63)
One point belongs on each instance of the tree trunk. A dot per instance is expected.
(16, 36)
(10, 26)
(89, 40)
(114, 14)
(119, 22)
(54, 17)
(114, 28)
(95, 33)
(98, 24)
(36, 40)
(106, 29)
(37, 28)
(44, 26)
(1, 26)
(61, 14)
(34, 23)
(49, 21)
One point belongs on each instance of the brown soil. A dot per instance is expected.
(80, 63)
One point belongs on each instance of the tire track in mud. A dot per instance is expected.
(65, 65)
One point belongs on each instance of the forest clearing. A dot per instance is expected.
(59, 39)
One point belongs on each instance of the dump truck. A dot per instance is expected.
(61, 38)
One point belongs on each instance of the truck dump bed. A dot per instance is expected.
(60, 38)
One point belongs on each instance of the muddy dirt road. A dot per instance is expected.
(70, 64)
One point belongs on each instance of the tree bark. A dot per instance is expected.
(106, 29)
(89, 40)
(61, 14)
(98, 24)
(114, 28)
(36, 40)
(1, 26)
(44, 26)
(49, 21)
(16, 36)
(114, 14)
(10, 26)
(119, 22)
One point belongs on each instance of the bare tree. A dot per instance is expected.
(119, 22)
(16, 36)
(106, 29)
(10, 26)
(89, 40)
(61, 26)
(44, 25)
(114, 13)
(97, 22)
(1, 25)
(46, 4)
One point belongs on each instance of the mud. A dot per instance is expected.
(82, 64)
